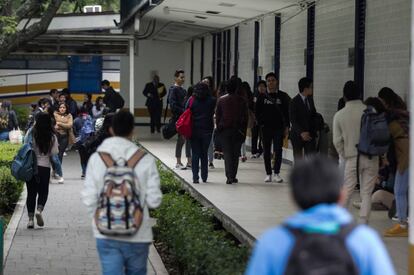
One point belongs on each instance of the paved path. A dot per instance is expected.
(253, 204)
(66, 244)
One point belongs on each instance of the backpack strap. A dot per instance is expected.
(136, 157)
(107, 159)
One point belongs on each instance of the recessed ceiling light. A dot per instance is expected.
(189, 21)
(225, 4)
(200, 17)
(213, 12)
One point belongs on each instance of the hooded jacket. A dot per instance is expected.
(202, 111)
(147, 173)
(272, 251)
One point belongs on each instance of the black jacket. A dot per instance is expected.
(176, 99)
(272, 110)
(301, 117)
(113, 100)
(202, 110)
(154, 94)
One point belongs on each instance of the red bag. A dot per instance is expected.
(184, 123)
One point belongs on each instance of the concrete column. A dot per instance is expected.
(411, 167)
(131, 76)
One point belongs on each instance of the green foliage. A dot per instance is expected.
(8, 25)
(70, 6)
(10, 190)
(7, 153)
(188, 230)
(22, 113)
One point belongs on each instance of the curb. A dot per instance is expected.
(228, 223)
(14, 224)
(156, 262)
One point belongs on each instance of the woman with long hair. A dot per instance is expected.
(398, 124)
(64, 123)
(98, 108)
(8, 120)
(45, 144)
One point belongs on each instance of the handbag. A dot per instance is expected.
(16, 136)
(184, 124)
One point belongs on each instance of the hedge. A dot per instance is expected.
(22, 113)
(190, 233)
(10, 190)
(7, 153)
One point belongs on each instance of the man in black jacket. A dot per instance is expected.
(154, 92)
(112, 99)
(177, 97)
(302, 115)
(272, 113)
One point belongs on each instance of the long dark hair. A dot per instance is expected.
(392, 100)
(98, 106)
(67, 108)
(43, 133)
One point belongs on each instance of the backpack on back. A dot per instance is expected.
(4, 120)
(118, 101)
(120, 211)
(24, 165)
(375, 135)
(320, 254)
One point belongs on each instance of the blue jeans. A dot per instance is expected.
(118, 258)
(401, 195)
(4, 136)
(199, 150)
(56, 165)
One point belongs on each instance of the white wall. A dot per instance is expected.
(387, 46)
(293, 44)
(246, 52)
(334, 34)
(160, 56)
(267, 44)
(197, 62)
(208, 55)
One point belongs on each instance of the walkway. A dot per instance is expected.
(252, 204)
(66, 244)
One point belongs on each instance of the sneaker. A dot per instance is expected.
(211, 165)
(188, 166)
(196, 181)
(30, 224)
(64, 154)
(397, 231)
(278, 179)
(268, 178)
(235, 180)
(39, 218)
(395, 218)
(229, 181)
(243, 159)
(83, 176)
(179, 166)
(59, 179)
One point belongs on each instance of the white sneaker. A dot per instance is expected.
(268, 178)
(59, 179)
(179, 166)
(64, 154)
(278, 179)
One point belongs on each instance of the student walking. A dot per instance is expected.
(45, 145)
(64, 123)
(154, 92)
(231, 119)
(123, 254)
(202, 105)
(272, 113)
(322, 237)
(177, 96)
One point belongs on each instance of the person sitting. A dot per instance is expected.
(8, 120)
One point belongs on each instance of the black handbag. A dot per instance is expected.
(169, 130)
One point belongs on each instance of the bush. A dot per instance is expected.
(22, 113)
(188, 231)
(8, 152)
(10, 190)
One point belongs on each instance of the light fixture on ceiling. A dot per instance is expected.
(225, 4)
(200, 17)
(213, 12)
(189, 21)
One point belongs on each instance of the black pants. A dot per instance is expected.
(199, 151)
(231, 144)
(63, 141)
(155, 117)
(256, 140)
(275, 138)
(302, 148)
(38, 187)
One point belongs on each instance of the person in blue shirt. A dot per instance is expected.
(316, 186)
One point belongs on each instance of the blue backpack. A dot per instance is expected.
(87, 130)
(24, 165)
(375, 135)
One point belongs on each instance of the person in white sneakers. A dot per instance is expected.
(122, 253)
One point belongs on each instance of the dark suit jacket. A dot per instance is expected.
(154, 97)
(301, 117)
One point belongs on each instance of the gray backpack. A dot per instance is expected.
(375, 136)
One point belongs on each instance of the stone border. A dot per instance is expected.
(14, 224)
(228, 223)
(156, 262)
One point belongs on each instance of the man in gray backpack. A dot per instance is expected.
(346, 137)
(120, 249)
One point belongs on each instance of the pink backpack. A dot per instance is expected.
(184, 123)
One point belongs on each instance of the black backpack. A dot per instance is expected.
(321, 254)
(118, 101)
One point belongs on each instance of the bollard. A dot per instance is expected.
(1, 244)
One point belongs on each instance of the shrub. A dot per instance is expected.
(188, 231)
(22, 113)
(10, 190)
(7, 153)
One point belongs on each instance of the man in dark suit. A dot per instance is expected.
(302, 115)
(154, 92)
